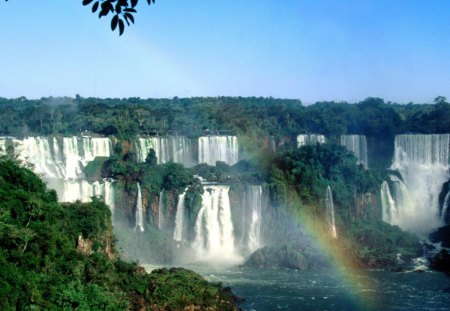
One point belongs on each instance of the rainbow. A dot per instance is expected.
(341, 257)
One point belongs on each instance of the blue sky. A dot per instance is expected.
(309, 50)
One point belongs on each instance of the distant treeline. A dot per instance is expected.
(250, 116)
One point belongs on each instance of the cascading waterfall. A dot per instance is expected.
(422, 161)
(253, 198)
(217, 148)
(176, 149)
(2, 146)
(179, 218)
(310, 139)
(214, 236)
(444, 209)
(389, 208)
(161, 210)
(139, 211)
(358, 145)
(61, 162)
(329, 204)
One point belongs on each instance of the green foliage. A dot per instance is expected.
(94, 169)
(378, 243)
(310, 169)
(40, 267)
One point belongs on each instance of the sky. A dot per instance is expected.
(315, 50)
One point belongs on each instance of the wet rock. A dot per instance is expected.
(441, 261)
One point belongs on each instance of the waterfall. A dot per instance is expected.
(139, 211)
(253, 198)
(422, 161)
(330, 212)
(218, 148)
(176, 149)
(214, 236)
(181, 150)
(358, 145)
(3, 146)
(389, 208)
(60, 161)
(179, 218)
(161, 210)
(445, 207)
(310, 139)
(272, 144)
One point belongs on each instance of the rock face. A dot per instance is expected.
(441, 235)
(285, 256)
(441, 261)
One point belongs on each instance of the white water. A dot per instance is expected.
(176, 149)
(179, 218)
(214, 236)
(358, 145)
(389, 208)
(253, 200)
(161, 210)
(139, 211)
(217, 148)
(60, 161)
(422, 161)
(2, 146)
(61, 158)
(310, 139)
(445, 206)
(329, 204)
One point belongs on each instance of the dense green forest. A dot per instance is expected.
(62, 256)
(249, 116)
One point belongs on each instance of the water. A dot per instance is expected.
(214, 237)
(218, 148)
(139, 211)
(329, 204)
(422, 161)
(358, 145)
(179, 218)
(268, 290)
(176, 149)
(161, 210)
(253, 214)
(445, 206)
(389, 208)
(310, 139)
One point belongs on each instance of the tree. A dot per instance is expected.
(121, 10)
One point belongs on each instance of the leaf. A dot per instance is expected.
(95, 7)
(86, 2)
(114, 22)
(134, 3)
(121, 27)
(129, 17)
(118, 8)
(129, 10)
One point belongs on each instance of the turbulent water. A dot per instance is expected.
(388, 205)
(214, 232)
(310, 139)
(329, 204)
(139, 211)
(358, 145)
(423, 162)
(251, 218)
(176, 149)
(60, 161)
(178, 232)
(218, 148)
(268, 290)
